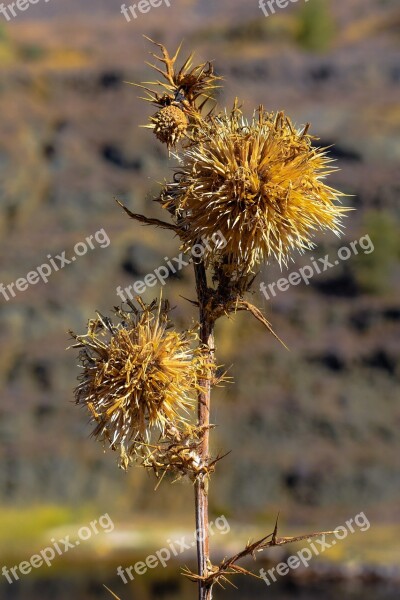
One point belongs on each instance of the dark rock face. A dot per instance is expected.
(116, 157)
(342, 285)
(383, 360)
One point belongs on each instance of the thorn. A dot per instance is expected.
(275, 533)
(194, 302)
(112, 593)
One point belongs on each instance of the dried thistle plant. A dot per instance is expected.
(259, 182)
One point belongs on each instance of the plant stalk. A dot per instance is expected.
(203, 413)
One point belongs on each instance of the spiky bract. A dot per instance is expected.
(189, 84)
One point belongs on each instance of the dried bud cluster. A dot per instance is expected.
(178, 453)
(180, 94)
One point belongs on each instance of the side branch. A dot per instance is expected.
(256, 312)
(148, 220)
(228, 567)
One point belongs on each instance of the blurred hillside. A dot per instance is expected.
(313, 428)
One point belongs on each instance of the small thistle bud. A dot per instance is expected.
(139, 375)
(170, 124)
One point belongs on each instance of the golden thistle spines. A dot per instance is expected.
(139, 377)
(259, 183)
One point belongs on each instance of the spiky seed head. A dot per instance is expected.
(139, 375)
(170, 125)
(260, 184)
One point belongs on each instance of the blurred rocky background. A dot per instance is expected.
(313, 431)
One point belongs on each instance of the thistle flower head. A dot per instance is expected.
(259, 183)
(138, 376)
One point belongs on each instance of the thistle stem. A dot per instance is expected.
(203, 411)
